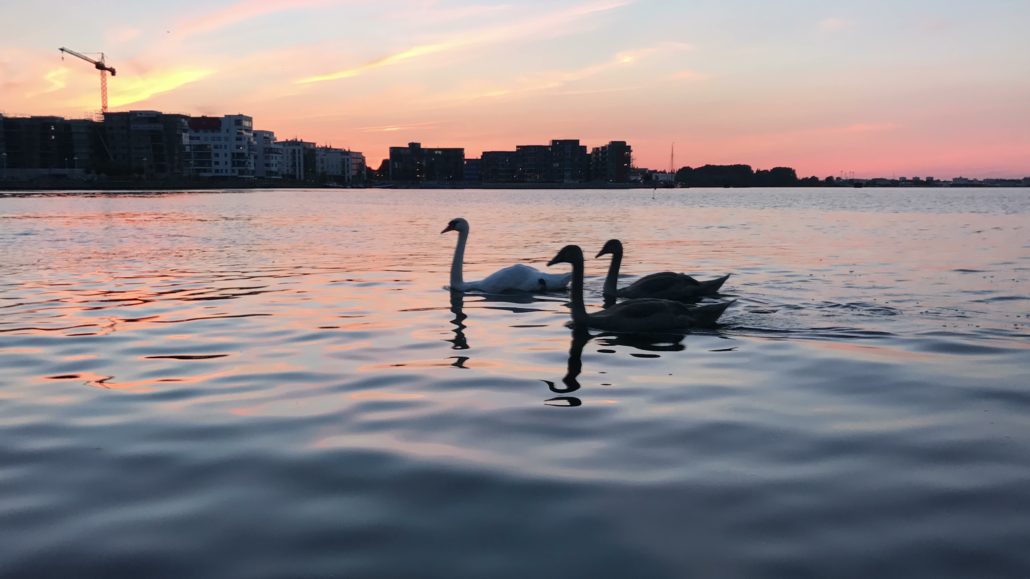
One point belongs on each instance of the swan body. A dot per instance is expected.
(515, 278)
(642, 315)
(667, 285)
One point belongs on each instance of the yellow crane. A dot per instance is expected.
(100, 65)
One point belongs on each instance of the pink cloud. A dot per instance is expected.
(241, 12)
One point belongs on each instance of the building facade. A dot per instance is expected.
(570, 162)
(46, 146)
(611, 163)
(415, 164)
(147, 143)
(268, 156)
(298, 160)
(339, 166)
(533, 164)
(221, 146)
(497, 167)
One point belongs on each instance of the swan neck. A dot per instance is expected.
(457, 281)
(579, 311)
(611, 282)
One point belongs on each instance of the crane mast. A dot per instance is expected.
(100, 65)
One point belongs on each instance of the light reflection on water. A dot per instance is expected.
(277, 384)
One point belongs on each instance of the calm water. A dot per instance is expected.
(275, 384)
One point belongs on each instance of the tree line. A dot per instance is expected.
(741, 176)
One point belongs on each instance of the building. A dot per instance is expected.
(339, 166)
(570, 162)
(298, 160)
(358, 169)
(147, 143)
(497, 167)
(221, 146)
(533, 164)
(415, 164)
(268, 156)
(407, 164)
(473, 171)
(46, 146)
(611, 163)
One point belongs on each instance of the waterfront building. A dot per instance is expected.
(570, 162)
(415, 164)
(45, 146)
(358, 168)
(407, 163)
(148, 143)
(221, 146)
(497, 167)
(298, 160)
(533, 164)
(268, 156)
(473, 171)
(339, 166)
(611, 163)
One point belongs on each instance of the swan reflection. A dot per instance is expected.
(458, 342)
(570, 382)
(658, 342)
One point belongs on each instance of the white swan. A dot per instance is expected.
(515, 278)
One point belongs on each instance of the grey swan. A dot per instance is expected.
(515, 278)
(639, 316)
(667, 285)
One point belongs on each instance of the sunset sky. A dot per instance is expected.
(873, 87)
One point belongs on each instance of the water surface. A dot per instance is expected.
(275, 383)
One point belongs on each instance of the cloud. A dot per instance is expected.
(832, 23)
(132, 90)
(57, 80)
(397, 128)
(395, 58)
(240, 12)
(494, 35)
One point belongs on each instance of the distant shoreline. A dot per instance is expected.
(249, 184)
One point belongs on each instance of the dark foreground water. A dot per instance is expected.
(275, 384)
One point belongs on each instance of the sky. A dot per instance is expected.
(856, 87)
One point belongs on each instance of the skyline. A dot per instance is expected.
(871, 89)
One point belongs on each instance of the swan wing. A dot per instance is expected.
(666, 284)
(644, 308)
(514, 278)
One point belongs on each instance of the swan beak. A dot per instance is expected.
(600, 253)
(446, 229)
(552, 262)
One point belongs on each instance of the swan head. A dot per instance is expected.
(612, 247)
(569, 254)
(457, 224)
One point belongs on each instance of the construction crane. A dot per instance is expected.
(100, 65)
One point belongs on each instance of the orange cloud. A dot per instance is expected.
(385, 61)
(131, 90)
(57, 79)
(240, 12)
(495, 35)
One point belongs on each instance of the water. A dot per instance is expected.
(275, 384)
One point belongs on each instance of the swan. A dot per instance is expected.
(667, 285)
(641, 315)
(515, 278)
